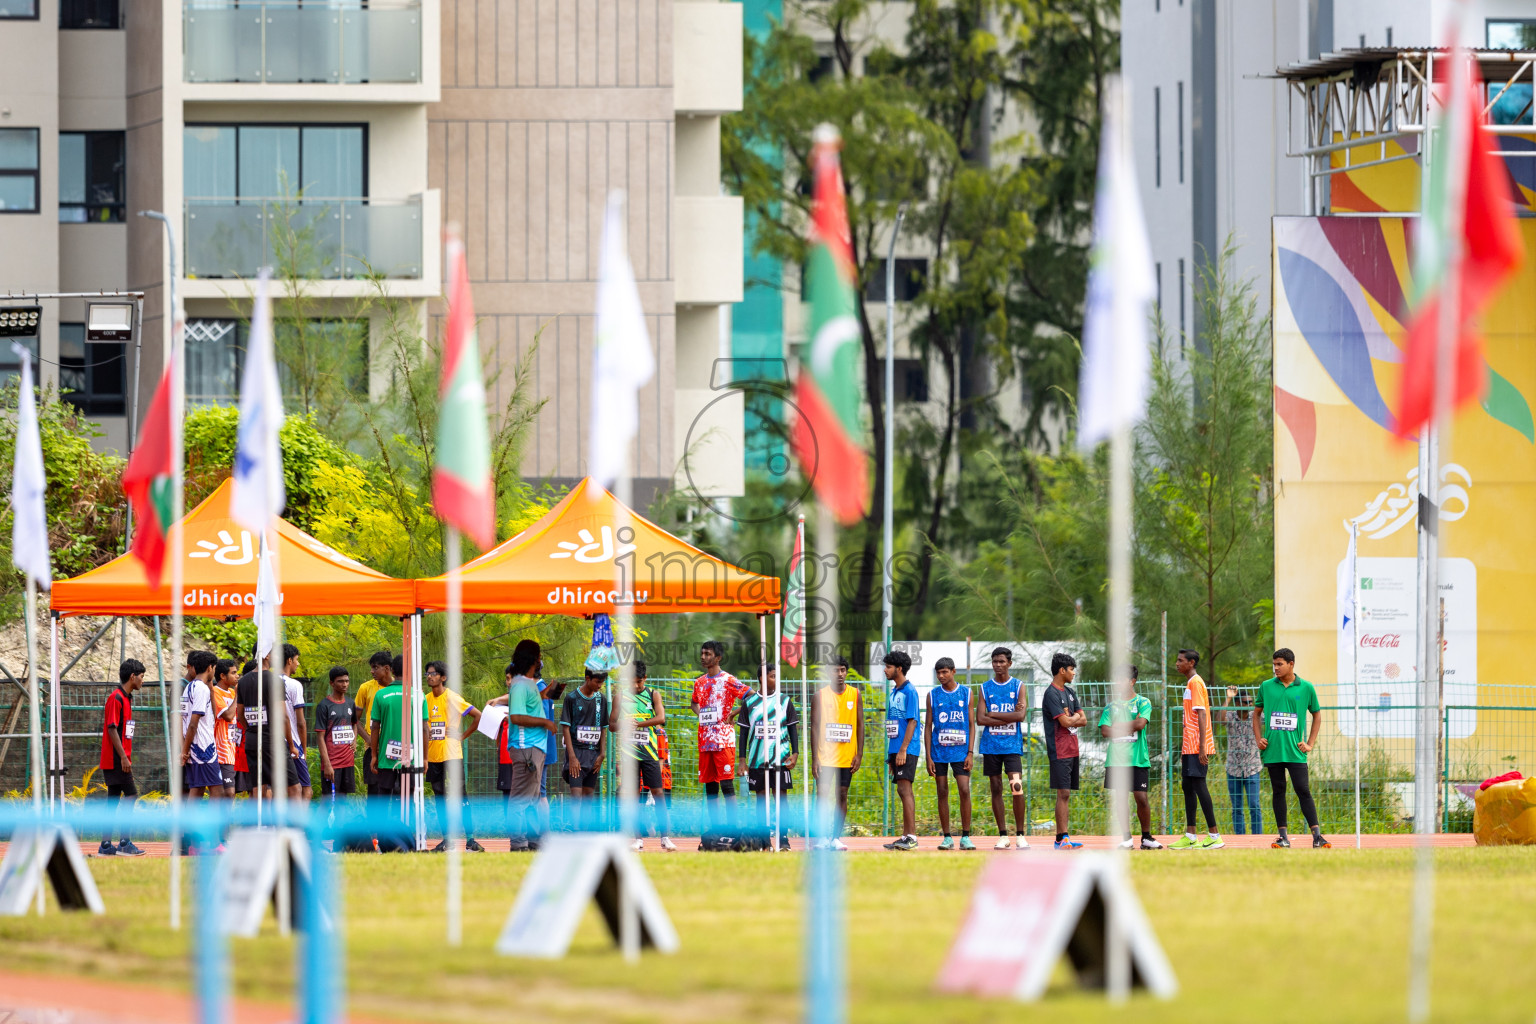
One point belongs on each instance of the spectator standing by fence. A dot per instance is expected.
(1243, 764)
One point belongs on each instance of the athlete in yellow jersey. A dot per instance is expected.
(837, 716)
(383, 674)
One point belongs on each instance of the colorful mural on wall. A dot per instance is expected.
(1340, 287)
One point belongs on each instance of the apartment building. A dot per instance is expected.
(334, 140)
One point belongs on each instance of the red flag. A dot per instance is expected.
(1490, 250)
(148, 482)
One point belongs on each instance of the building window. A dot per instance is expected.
(215, 355)
(18, 170)
(1181, 307)
(274, 161)
(911, 279)
(1157, 137)
(92, 373)
(1514, 106)
(18, 10)
(90, 14)
(93, 183)
(911, 380)
(1181, 133)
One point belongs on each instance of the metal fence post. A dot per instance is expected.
(1162, 674)
(1445, 769)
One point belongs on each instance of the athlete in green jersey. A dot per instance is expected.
(645, 707)
(768, 743)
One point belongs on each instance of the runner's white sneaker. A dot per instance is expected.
(637, 845)
(1020, 843)
(1002, 843)
(668, 845)
(1151, 844)
(838, 844)
(1126, 845)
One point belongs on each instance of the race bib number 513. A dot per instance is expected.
(1281, 721)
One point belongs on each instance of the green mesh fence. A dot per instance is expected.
(1480, 739)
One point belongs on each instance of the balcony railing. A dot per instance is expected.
(326, 239)
(288, 41)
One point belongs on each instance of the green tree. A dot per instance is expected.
(914, 125)
(1205, 481)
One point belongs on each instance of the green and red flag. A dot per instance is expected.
(149, 482)
(461, 472)
(828, 435)
(1479, 219)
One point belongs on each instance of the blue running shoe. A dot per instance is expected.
(1068, 844)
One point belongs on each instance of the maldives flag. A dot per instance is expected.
(793, 641)
(461, 472)
(148, 482)
(1482, 225)
(827, 434)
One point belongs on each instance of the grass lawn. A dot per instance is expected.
(1252, 935)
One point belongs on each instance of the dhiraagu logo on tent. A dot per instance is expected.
(591, 549)
(226, 551)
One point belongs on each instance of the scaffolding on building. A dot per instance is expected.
(1370, 106)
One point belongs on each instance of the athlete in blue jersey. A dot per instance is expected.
(947, 736)
(904, 743)
(1000, 713)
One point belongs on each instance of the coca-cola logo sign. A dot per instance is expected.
(1381, 640)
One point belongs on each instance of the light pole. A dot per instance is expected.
(886, 619)
(170, 245)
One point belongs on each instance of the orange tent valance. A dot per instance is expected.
(219, 576)
(566, 564)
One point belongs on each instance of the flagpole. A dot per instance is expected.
(178, 578)
(806, 739)
(1435, 436)
(1354, 651)
(455, 823)
(825, 990)
(629, 763)
(277, 679)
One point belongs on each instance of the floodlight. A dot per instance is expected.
(20, 321)
(109, 321)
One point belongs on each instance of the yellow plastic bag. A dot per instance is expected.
(1505, 814)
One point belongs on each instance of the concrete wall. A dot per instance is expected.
(546, 107)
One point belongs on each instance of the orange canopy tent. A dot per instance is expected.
(567, 563)
(219, 576)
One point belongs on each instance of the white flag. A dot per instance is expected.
(258, 492)
(29, 527)
(1347, 586)
(265, 611)
(1112, 393)
(621, 363)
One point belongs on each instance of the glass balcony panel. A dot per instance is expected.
(283, 41)
(322, 239)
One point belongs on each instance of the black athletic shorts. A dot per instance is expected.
(121, 779)
(227, 774)
(245, 782)
(586, 777)
(906, 771)
(958, 767)
(1193, 769)
(1064, 772)
(844, 777)
(504, 777)
(344, 780)
(1141, 779)
(997, 764)
(369, 778)
(759, 780)
(650, 774)
(387, 781)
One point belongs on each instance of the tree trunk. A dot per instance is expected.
(936, 510)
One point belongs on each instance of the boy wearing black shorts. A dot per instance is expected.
(1063, 716)
(117, 754)
(584, 718)
(904, 743)
(336, 723)
(947, 737)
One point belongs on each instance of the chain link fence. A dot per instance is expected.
(1490, 737)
